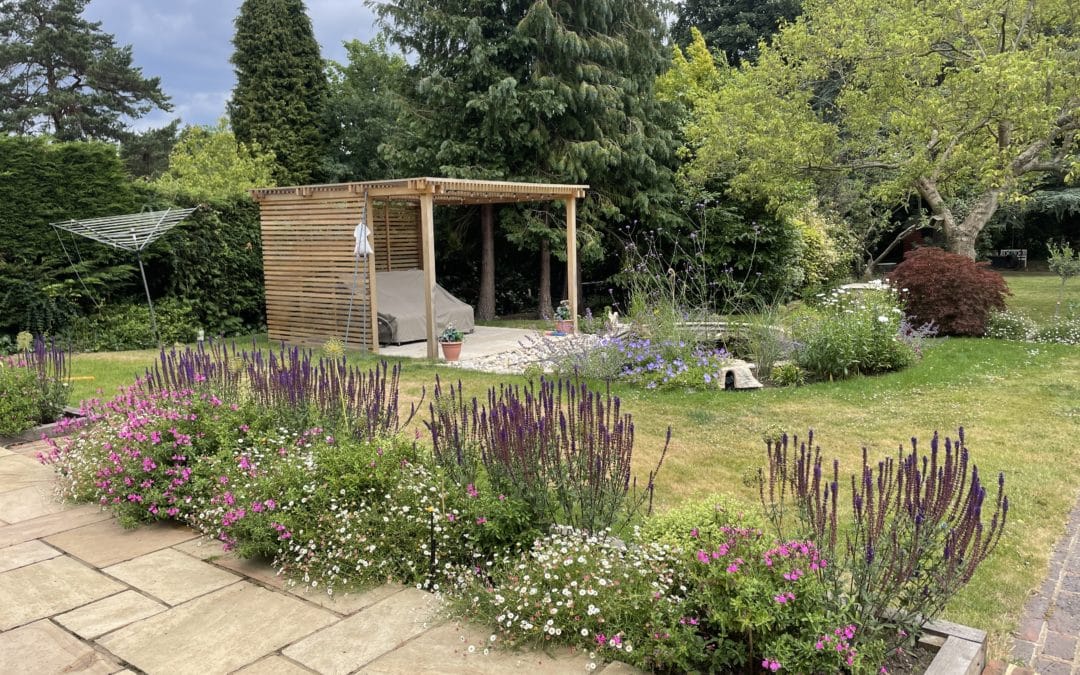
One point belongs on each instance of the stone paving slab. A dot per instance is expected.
(171, 576)
(97, 618)
(456, 649)
(106, 543)
(362, 638)
(30, 502)
(26, 553)
(49, 587)
(256, 569)
(4, 452)
(28, 530)
(42, 647)
(347, 603)
(274, 665)
(18, 472)
(216, 633)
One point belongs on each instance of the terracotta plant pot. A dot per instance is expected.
(451, 350)
(564, 326)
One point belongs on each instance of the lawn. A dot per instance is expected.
(1019, 404)
(1036, 293)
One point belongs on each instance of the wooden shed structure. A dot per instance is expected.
(308, 261)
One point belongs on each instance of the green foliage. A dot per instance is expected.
(127, 326)
(952, 291)
(1064, 263)
(362, 109)
(64, 76)
(686, 525)
(281, 88)
(42, 182)
(207, 164)
(33, 385)
(871, 101)
(522, 90)
(732, 27)
(146, 153)
(18, 398)
(212, 264)
(853, 334)
(787, 375)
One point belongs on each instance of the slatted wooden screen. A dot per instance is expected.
(309, 266)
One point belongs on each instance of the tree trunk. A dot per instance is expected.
(545, 308)
(959, 236)
(485, 306)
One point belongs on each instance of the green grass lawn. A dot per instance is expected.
(1019, 404)
(1036, 293)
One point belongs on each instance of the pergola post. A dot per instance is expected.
(571, 258)
(427, 242)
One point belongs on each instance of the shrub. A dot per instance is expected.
(787, 375)
(952, 291)
(33, 384)
(291, 384)
(124, 327)
(561, 448)
(18, 398)
(916, 533)
(853, 333)
(1011, 325)
(1064, 330)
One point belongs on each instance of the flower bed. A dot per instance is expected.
(514, 510)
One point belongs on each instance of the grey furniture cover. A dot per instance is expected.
(401, 308)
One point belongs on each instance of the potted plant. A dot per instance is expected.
(451, 339)
(564, 321)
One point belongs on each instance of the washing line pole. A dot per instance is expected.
(149, 302)
(142, 271)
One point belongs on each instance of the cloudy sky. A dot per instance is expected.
(187, 43)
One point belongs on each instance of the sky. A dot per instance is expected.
(187, 43)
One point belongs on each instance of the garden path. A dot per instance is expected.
(80, 593)
(1046, 640)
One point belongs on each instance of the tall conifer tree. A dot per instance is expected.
(536, 90)
(280, 87)
(60, 74)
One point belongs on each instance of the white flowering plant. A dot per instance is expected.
(854, 333)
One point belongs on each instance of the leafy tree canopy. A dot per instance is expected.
(146, 153)
(362, 109)
(733, 27)
(208, 164)
(962, 103)
(539, 91)
(281, 88)
(60, 74)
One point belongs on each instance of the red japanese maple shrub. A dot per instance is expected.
(955, 292)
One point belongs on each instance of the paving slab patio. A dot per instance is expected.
(171, 576)
(48, 588)
(42, 647)
(79, 593)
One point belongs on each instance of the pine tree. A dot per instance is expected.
(62, 75)
(280, 87)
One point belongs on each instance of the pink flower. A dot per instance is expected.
(770, 665)
(694, 533)
(471, 490)
(703, 557)
(481, 520)
(601, 639)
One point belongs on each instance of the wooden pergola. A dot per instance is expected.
(283, 211)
